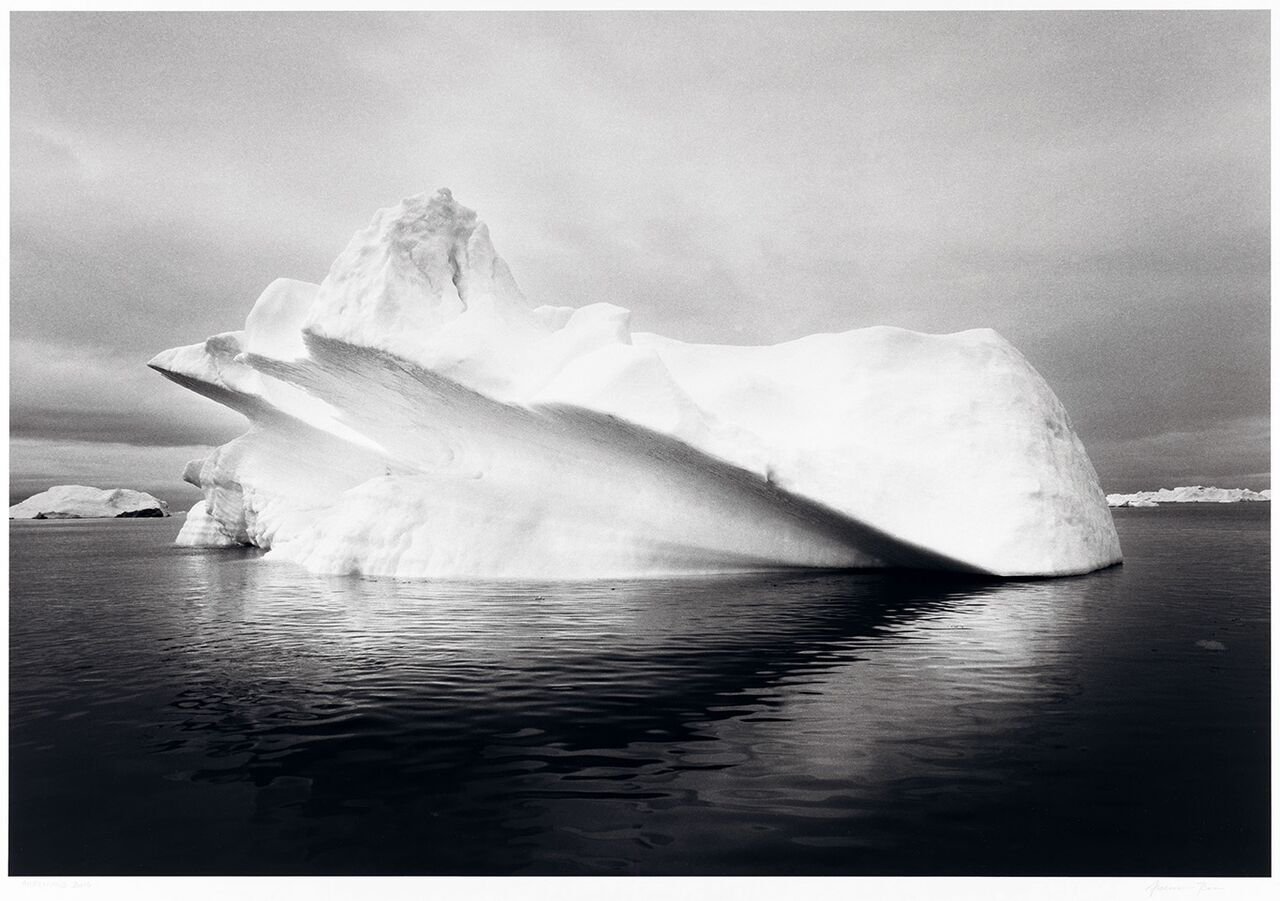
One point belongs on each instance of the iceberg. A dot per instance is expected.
(83, 502)
(1191, 494)
(414, 416)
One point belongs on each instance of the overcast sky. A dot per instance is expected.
(1094, 186)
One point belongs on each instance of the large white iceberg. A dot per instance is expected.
(83, 502)
(415, 416)
(1188, 494)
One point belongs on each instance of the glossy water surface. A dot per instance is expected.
(199, 711)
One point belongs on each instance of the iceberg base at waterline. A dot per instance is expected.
(414, 416)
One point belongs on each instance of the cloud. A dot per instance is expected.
(1092, 185)
(1226, 455)
(75, 393)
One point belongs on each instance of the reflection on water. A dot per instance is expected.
(176, 710)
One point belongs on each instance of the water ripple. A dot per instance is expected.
(798, 723)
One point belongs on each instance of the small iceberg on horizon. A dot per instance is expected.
(84, 502)
(1192, 494)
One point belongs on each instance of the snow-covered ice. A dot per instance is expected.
(83, 502)
(1191, 494)
(414, 416)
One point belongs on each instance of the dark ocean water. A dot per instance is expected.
(208, 712)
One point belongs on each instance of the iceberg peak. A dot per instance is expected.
(423, 281)
(417, 266)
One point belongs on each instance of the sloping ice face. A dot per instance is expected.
(414, 416)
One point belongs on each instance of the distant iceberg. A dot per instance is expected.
(1194, 494)
(83, 502)
(415, 416)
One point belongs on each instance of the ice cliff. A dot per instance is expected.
(1192, 494)
(414, 416)
(83, 502)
